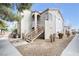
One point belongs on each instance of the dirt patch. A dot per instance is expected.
(43, 48)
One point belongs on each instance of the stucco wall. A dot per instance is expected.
(54, 23)
(59, 23)
(43, 17)
(42, 22)
(50, 26)
(26, 23)
(47, 29)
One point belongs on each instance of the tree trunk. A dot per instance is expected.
(19, 28)
(1, 31)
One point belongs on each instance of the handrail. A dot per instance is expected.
(33, 33)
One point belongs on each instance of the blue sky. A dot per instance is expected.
(70, 12)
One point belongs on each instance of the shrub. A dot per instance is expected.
(73, 33)
(14, 34)
(60, 35)
(52, 37)
(67, 33)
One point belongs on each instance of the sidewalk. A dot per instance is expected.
(6, 48)
(5, 36)
(73, 48)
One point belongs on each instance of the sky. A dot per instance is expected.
(69, 11)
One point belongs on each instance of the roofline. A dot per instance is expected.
(35, 11)
(44, 11)
(49, 9)
(52, 10)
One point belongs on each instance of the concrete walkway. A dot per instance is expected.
(73, 48)
(7, 49)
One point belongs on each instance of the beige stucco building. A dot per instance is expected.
(50, 20)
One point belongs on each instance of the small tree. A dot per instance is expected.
(2, 26)
(6, 12)
(20, 7)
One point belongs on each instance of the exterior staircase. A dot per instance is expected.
(30, 37)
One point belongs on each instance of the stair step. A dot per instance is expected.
(28, 40)
(33, 35)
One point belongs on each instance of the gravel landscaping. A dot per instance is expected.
(41, 47)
